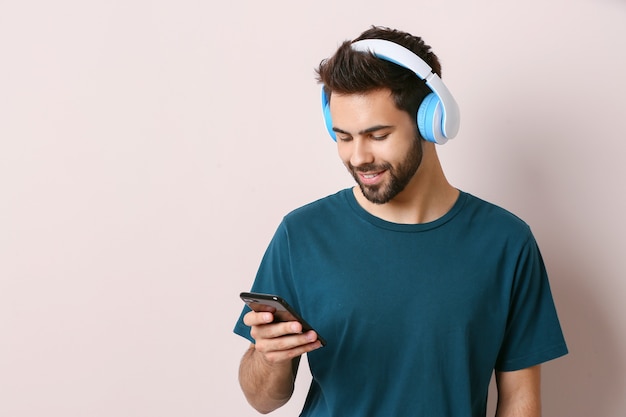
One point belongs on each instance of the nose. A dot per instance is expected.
(361, 153)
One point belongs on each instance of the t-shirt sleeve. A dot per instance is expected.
(533, 333)
(274, 276)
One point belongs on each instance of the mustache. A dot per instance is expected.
(370, 167)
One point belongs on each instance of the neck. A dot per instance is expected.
(427, 197)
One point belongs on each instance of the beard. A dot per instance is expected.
(399, 175)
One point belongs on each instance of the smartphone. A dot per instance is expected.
(279, 307)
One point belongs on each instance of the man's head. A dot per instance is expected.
(375, 105)
(350, 71)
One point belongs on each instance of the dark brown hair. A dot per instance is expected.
(353, 72)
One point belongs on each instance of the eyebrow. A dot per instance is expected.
(364, 131)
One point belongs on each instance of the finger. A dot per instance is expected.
(278, 350)
(253, 318)
(285, 342)
(290, 354)
(275, 330)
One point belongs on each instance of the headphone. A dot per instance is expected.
(438, 116)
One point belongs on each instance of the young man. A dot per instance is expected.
(420, 290)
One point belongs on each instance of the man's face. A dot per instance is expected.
(377, 143)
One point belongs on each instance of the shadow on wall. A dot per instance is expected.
(546, 169)
(588, 381)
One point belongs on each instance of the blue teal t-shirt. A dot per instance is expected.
(416, 317)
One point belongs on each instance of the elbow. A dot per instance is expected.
(264, 404)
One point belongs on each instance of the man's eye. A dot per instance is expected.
(344, 138)
(380, 137)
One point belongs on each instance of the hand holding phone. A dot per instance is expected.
(276, 305)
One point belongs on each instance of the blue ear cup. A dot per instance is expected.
(429, 117)
(327, 118)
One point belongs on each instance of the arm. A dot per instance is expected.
(268, 369)
(519, 393)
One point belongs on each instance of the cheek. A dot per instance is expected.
(344, 152)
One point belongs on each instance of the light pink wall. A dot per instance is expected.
(148, 149)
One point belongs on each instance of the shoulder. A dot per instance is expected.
(319, 209)
(492, 218)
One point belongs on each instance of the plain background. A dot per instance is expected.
(149, 149)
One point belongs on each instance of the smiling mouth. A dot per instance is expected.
(369, 174)
(370, 177)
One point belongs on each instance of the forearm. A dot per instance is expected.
(519, 393)
(267, 386)
(524, 408)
